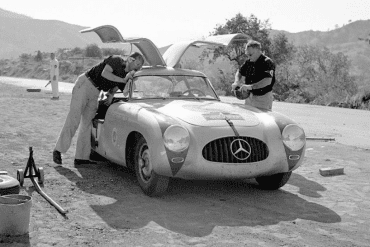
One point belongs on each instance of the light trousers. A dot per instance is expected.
(262, 102)
(55, 87)
(83, 107)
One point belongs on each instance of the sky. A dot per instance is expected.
(168, 21)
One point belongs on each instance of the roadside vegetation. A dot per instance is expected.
(304, 74)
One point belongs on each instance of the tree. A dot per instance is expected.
(323, 75)
(93, 50)
(253, 27)
(281, 51)
(38, 57)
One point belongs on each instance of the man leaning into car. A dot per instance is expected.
(109, 75)
(258, 73)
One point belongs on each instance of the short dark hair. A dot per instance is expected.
(138, 56)
(253, 44)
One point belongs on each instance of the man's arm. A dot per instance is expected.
(108, 74)
(110, 95)
(238, 80)
(262, 83)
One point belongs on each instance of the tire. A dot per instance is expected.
(8, 185)
(273, 182)
(151, 183)
(96, 157)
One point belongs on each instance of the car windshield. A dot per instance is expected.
(149, 87)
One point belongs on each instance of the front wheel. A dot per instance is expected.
(273, 182)
(151, 183)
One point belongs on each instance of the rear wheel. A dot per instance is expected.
(273, 182)
(151, 183)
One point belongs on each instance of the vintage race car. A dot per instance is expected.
(170, 123)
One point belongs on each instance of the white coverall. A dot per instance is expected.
(84, 104)
(54, 71)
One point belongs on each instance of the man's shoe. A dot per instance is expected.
(57, 157)
(54, 98)
(83, 162)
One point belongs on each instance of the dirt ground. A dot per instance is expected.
(107, 208)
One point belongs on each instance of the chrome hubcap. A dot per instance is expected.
(145, 166)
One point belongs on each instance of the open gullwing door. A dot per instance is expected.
(110, 34)
(174, 53)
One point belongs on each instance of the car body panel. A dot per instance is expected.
(174, 53)
(150, 119)
(228, 39)
(110, 34)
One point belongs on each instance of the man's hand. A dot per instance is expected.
(234, 85)
(129, 76)
(54, 78)
(246, 87)
(108, 100)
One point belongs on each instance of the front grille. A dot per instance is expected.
(219, 150)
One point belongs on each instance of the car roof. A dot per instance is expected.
(159, 71)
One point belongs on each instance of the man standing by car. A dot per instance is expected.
(258, 73)
(54, 75)
(109, 75)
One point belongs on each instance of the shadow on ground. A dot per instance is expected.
(194, 208)
(306, 187)
(15, 241)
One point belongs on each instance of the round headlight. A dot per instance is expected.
(294, 137)
(176, 138)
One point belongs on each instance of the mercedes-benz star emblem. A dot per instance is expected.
(240, 149)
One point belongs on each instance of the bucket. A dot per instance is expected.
(15, 211)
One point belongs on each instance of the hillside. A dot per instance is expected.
(344, 39)
(22, 34)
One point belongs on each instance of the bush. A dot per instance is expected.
(24, 56)
(78, 70)
(65, 67)
(77, 51)
(38, 57)
(93, 50)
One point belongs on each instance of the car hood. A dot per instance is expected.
(206, 113)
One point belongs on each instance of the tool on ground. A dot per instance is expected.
(33, 90)
(47, 83)
(31, 172)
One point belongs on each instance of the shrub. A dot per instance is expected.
(38, 57)
(93, 50)
(24, 56)
(65, 67)
(78, 70)
(77, 51)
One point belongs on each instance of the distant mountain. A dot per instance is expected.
(346, 34)
(9, 14)
(21, 34)
(344, 39)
